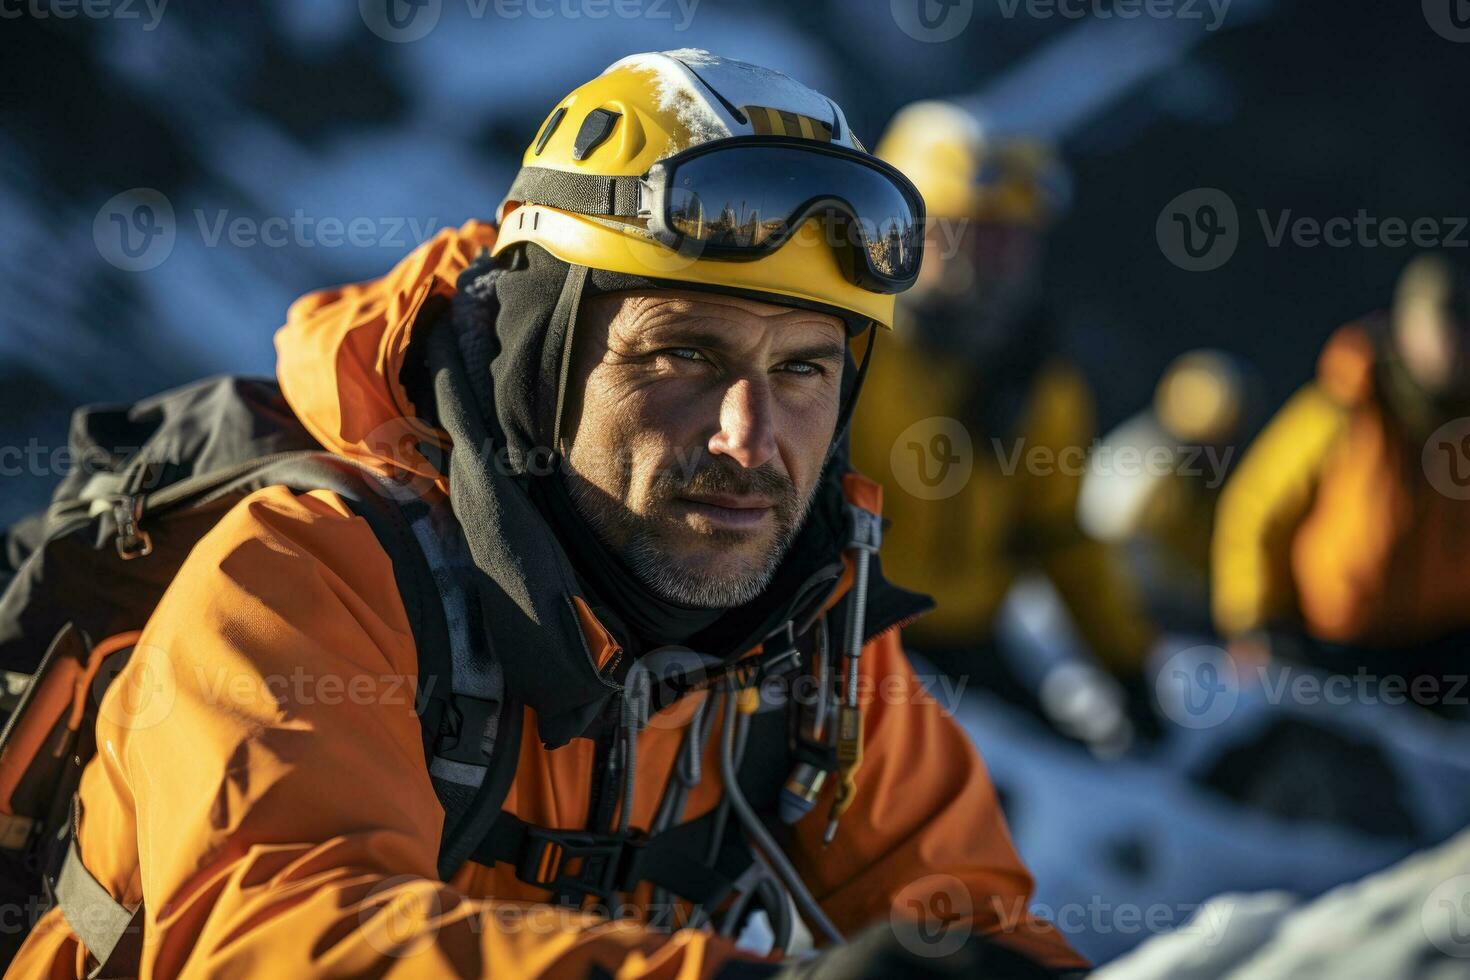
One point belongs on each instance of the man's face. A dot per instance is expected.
(701, 429)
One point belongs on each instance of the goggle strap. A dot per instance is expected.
(580, 193)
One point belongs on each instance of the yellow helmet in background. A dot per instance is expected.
(964, 172)
(587, 179)
(1201, 397)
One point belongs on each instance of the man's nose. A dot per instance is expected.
(747, 434)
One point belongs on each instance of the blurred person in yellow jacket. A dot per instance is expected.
(625, 449)
(1348, 520)
(972, 420)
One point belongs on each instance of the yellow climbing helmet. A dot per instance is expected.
(685, 167)
(1201, 397)
(965, 172)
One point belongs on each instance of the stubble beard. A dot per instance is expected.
(710, 581)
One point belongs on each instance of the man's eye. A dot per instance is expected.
(683, 353)
(804, 368)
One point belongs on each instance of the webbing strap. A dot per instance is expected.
(112, 932)
(582, 193)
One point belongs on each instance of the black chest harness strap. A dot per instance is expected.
(703, 861)
(574, 865)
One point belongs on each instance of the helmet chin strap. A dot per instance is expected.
(568, 305)
(849, 404)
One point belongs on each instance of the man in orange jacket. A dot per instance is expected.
(663, 375)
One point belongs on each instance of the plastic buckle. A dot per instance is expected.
(865, 531)
(131, 541)
(469, 718)
(608, 863)
(784, 661)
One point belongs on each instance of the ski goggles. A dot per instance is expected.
(742, 198)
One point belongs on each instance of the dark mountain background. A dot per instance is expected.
(297, 109)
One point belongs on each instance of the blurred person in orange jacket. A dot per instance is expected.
(1348, 520)
(969, 394)
(601, 375)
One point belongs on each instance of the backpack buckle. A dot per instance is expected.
(865, 529)
(609, 863)
(132, 541)
(469, 722)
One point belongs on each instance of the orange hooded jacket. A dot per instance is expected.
(260, 775)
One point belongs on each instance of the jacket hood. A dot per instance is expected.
(341, 353)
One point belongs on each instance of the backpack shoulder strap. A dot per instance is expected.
(471, 728)
(111, 932)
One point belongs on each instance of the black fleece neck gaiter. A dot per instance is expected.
(529, 307)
